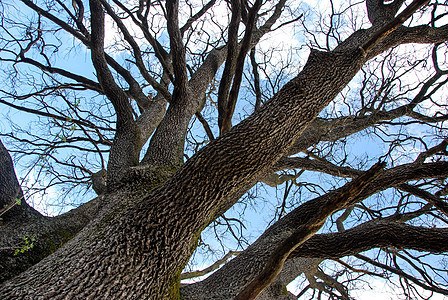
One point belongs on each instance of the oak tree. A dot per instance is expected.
(182, 116)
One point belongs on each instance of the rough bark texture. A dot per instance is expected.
(198, 190)
(133, 241)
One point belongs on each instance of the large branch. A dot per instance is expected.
(303, 222)
(201, 79)
(370, 235)
(423, 34)
(177, 49)
(126, 146)
(374, 234)
(240, 271)
(378, 12)
(332, 130)
(115, 94)
(167, 143)
(156, 232)
(328, 168)
(392, 25)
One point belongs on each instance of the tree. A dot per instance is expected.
(161, 180)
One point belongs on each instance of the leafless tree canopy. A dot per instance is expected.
(256, 142)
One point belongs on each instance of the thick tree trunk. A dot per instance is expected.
(156, 234)
(141, 238)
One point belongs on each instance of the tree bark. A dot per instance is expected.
(157, 240)
(144, 232)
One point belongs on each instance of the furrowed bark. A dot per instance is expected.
(146, 228)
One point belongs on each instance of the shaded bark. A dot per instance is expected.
(12, 203)
(22, 220)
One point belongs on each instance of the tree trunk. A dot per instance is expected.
(138, 234)
(143, 230)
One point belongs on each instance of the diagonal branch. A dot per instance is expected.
(57, 21)
(194, 18)
(54, 70)
(308, 219)
(209, 269)
(433, 199)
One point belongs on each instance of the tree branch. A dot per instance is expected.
(392, 26)
(230, 65)
(309, 220)
(232, 97)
